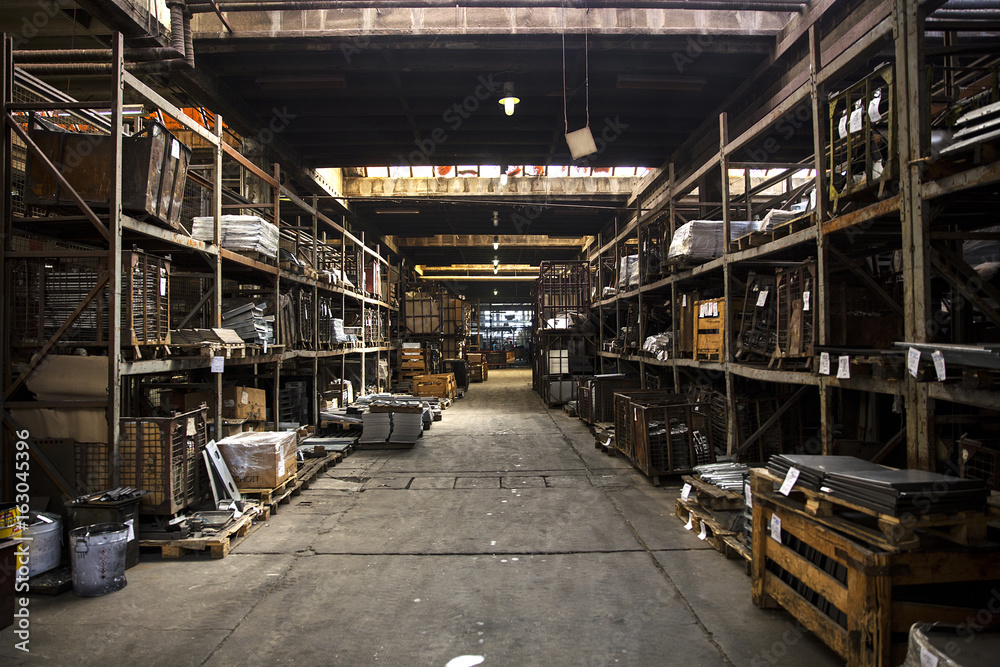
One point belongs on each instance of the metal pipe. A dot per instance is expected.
(66, 68)
(204, 6)
(978, 14)
(93, 55)
(177, 25)
(971, 4)
(188, 41)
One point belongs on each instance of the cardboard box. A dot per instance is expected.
(260, 460)
(476, 357)
(237, 402)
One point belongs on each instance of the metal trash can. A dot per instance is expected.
(86, 512)
(97, 554)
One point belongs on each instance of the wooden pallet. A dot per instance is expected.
(884, 531)
(751, 240)
(272, 496)
(722, 539)
(712, 497)
(792, 226)
(218, 545)
(303, 478)
(227, 350)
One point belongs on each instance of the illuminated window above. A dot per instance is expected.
(496, 171)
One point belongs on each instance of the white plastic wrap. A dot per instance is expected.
(628, 272)
(260, 459)
(701, 240)
(240, 233)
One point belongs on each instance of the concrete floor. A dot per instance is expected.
(503, 534)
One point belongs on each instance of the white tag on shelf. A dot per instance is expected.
(824, 363)
(175, 149)
(690, 524)
(748, 495)
(762, 298)
(265, 347)
(685, 491)
(873, 112)
(844, 367)
(684, 300)
(244, 398)
(218, 363)
(703, 533)
(913, 361)
(939, 365)
(163, 286)
(927, 659)
(791, 477)
(776, 528)
(857, 119)
(842, 126)
(190, 428)
(805, 302)
(715, 309)
(131, 530)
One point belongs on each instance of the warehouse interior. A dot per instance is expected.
(467, 332)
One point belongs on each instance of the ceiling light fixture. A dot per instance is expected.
(496, 261)
(495, 270)
(496, 218)
(496, 242)
(508, 100)
(503, 175)
(495, 292)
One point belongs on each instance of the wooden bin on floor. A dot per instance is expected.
(860, 600)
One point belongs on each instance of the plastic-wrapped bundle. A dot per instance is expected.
(628, 272)
(701, 240)
(659, 345)
(240, 233)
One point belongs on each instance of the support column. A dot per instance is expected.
(911, 97)
(216, 417)
(727, 329)
(115, 257)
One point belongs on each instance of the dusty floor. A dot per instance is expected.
(503, 534)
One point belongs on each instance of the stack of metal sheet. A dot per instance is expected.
(240, 233)
(900, 492)
(406, 427)
(248, 321)
(377, 427)
(813, 467)
(974, 128)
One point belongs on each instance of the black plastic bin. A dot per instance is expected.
(8, 575)
(126, 512)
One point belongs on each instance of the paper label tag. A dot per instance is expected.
(776, 528)
(163, 286)
(265, 346)
(45, 519)
(748, 495)
(913, 361)
(842, 126)
(690, 524)
(791, 477)
(703, 533)
(190, 428)
(175, 149)
(685, 491)
(927, 659)
(873, 112)
(824, 363)
(762, 298)
(715, 309)
(244, 398)
(857, 119)
(939, 365)
(805, 302)
(218, 363)
(607, 444)
(131, 530)
(684, 300)
(844, 367)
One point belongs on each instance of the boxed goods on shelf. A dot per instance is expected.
(162, 455)
(154, 170)
(422, 314)
(240, 233)
(45, 292)
(710, 327)
(701, 240)
(260, 460)
(237, 402)
(563, 295)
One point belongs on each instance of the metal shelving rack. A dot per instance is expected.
(904, 218)
(114, 229)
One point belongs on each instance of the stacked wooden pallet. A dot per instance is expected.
(711, 512)
(441, 385)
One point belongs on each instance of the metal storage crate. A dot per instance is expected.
(624, 403)
(979, 462)
(600, 391)
(154, 170)
(585, 400)
(672, 436)
(652, 251)
(45, 292)
(861, 153)
(563, 295)
(758, 328)
(796, 292)
(162, 455)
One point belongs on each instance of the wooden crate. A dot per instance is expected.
(687, 315)
(441, 385)
(710, 327)
(861, 600)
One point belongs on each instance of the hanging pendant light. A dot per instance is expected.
(496, 242)
(508, 100)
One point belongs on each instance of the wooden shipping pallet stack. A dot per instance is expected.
(441, 385)
(711, 512)
(858, 579)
